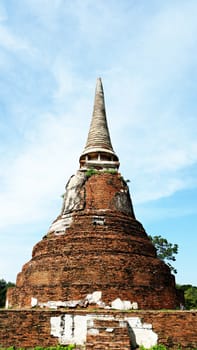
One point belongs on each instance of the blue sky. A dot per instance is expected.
(51, 52)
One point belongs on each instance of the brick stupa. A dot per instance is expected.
(96, 243)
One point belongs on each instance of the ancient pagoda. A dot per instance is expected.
(95, 244)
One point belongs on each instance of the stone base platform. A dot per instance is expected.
(98, 329)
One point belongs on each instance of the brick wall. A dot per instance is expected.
(29, 328)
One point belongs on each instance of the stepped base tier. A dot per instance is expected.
(96, 244)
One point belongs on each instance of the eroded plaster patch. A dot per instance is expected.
(73, 329)
(119, 304)
(143, 333)
(73, 199)
(69, 329)
(59, 226)
(34, 302)
(95, 298)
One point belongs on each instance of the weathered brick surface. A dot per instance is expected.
(105, 248)
(175, 329)
(25, 329)
(111, 335)
(29, 328)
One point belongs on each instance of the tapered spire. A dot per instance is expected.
(98, 135)
(98, 152)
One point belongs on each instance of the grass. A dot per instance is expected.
(58, 347)
(93, 171)
(161, 347)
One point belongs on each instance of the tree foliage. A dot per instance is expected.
(2, 292)
(165, 250)
(3, 289)
(190, 294)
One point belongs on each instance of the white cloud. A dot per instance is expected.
(47, 10)
(3, 14)
(12, 42)
(66, 81)
(40, 171)
(43, 164)
(96, 17)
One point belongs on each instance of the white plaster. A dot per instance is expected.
(134, 322)
(145, 337)
(7, 303)
(49, 304)
(71, 303)
(34, 302)
(94, 298)
(101, 304)
(93, 331)
(66, 329)
(98, 220)
(127, 305)
(73, 200)
(134, 305)
(80, 332)
(102, 317)
(73, 329)
(59, 227)
(143, 332)
(69, 329)
(119, 304)
(72, 197)
(147, 326)
(90, 322)
(110, 330)
(55, 326)
(122, 324)
(55, 304)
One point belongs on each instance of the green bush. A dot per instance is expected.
(160, 347)
(58, 347)
(190, 294)
(3, 289)
(110, 171)
(91, 172)
(155, 347)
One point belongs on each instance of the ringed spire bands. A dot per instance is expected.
(98, 152)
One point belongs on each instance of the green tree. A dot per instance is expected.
(190, 294)
(165, 250)
(3, 289)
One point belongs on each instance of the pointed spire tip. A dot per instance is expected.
(98, 143)
(99, 87)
